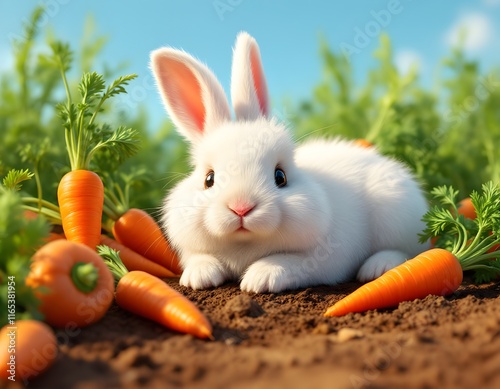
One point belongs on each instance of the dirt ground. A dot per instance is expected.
(283, 341)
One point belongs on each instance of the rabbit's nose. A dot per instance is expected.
(241, 209)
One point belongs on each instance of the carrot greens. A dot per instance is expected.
(469, 240)
(84, 137)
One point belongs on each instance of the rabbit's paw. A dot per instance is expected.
(269, 275)
(203, 271)
(379, 263)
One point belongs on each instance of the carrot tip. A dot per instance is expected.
(205, 333)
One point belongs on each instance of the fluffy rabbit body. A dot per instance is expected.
(259, 209)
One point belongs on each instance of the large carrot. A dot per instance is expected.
(72, 282)
(137, 230)
(27, 349)
(437, 271)
(81, 192)
(135, 261)
(148, 296)
(81, 198)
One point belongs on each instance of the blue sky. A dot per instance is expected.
(288, 32)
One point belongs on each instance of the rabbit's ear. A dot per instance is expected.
(248, 83)
(192, 95)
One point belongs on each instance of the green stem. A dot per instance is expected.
(84, 276)
(54, 217)
(43, 203)
(98, 108)
(467, 250)
(112, 260)
(480, 266)
(464, 237)
(375, 129)
(38, 185)
(68, 133)
(110, 208)
(82, 161)
(480, 255)
(123, 196)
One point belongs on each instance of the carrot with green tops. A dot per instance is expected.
(466, 208)
(135, 261)
(438, 271)
(148, 296)
(81, 192)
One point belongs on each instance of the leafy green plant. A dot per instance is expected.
(19, 237)
(449, 135)
(475, 243)
(32, 135)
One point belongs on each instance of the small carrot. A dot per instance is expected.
(72, 283)
(135, 261)
(137, 230)
(148, 296)
(363, 143)
(81, 198)
(27, 349)
(466, 208)
(437, 271)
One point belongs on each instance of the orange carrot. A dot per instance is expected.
(72, 282)
(148, 296)
(466, 208)
(81, 192)
(435, 271)
(28, 348)
(135, 261)
(438, 271)
(81, 199)
(137, 230)
(363, 143)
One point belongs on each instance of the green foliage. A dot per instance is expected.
(31, 113)
(475, 243)
(82, 134)
(449, 135)
(19, 236)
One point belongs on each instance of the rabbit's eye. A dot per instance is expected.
(279, 177)
(209, 179)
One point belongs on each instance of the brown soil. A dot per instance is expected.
(282, 341)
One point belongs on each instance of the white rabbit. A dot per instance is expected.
(258, 209)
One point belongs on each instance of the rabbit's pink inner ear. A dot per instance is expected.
(259, 80)
(183, 91)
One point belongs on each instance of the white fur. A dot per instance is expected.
(345, 211)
